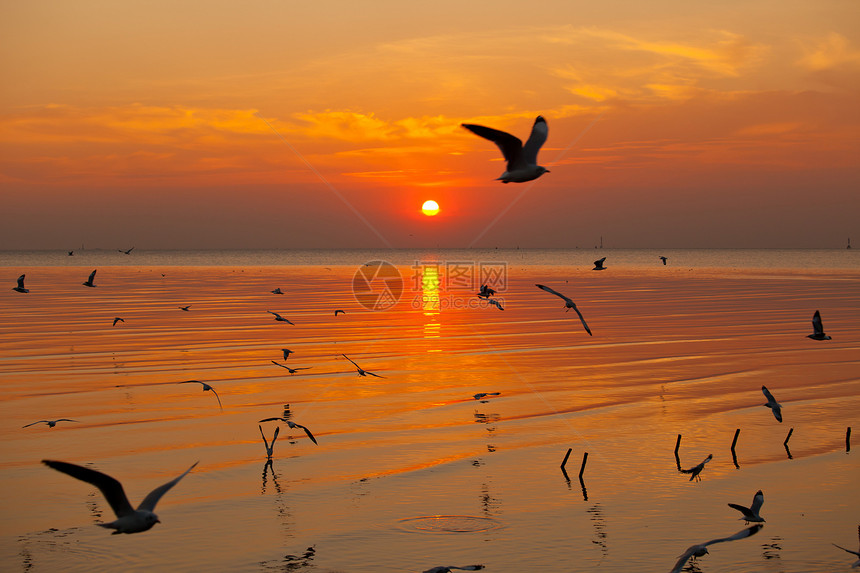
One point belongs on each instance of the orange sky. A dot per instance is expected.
(676, 124)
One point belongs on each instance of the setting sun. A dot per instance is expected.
(430, 208)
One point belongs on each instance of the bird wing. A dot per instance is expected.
(281, 365)
(34, 423)
(777, 412)
(817, 327)
(582, 320)
(92, 276)
(148, 503)
(272, 420)
(275, 313)
(555, 292)
(848, 550)
(110, 487)
(540, 130)
(21, 281)
(275, 437)
(768, 395)
(66, 420)
(308, 432)
(191, 382)
(351, 360)
(262, 435)
(372, 374)
(745, 510)
(216, 396)
(510, 145)
(758, 500)
(682, 559)
(599, 262)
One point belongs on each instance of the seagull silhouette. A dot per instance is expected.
(361, 371)
(20, 287)
(185, 308)
(486, 292)
(205, 388)
(71, 253)
(339, 311)
(117, 319)
(857, 553)
(664, 259)
(291, 424)
(751, 512)
(292, 370)
(481, 395)
(697, 469)
(89, 281)
(598, 265)
(286, 352)
(701, 549)
(448, 568)
(51, 423)
(279, 318)
(495, 303)
(128, 520)
(128, 252)
(772, 404)
(568, 304)
(278, 291)
(817, 328)
(521, 159)
(270, 449)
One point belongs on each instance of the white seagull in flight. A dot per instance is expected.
(772, 404)
(205, 388)
(701, 549)
(361, 371)
(522, 159)
(817, 328)
(751, 512)
(568, 304)
(20, 287)
(89, 281)
(129, 520)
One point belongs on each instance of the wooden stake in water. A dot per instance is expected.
(567, 455)
(582, 467)
(735, 441)
(788, 437)
(848, 440)
(677, 445)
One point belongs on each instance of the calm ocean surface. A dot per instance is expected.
(411, 471)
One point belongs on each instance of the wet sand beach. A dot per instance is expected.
(411, 471)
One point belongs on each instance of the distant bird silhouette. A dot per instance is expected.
(293, 425)
(185, 308)
(292, 370)
(772, 404)
(598, 265)
(697, 469)
(51, 423)
(486, 292)
(449, 568)
(20, 287)
(701, 549)
(568, 304)
(89, 281)
(286, 352)
(521, 159)
(857, 553)
(664, 259)
(751, 513)
(495, 303)
(817, 328)
(280, 318)
(270, 449)
(128, 252)
(71, 253)
(339, 311)
(361, 371)
(277, 291)
(117, 319)
(481, 395)
(206, 387)
(128, 520)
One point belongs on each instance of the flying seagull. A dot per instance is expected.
(598, 265)
(71, 253)
(697, 469)
(701, 549)
(51, 423)
(522, 159)
(361, 371)
(817, 328)
(89, 281)
(278, 291)
(128, 252)
(185, 308)
(496, 303)
(292, 425)
(20, 287)
(270, 449)
(857, 553)
(481, 395)
(486, 292)
(568, 304)
(128, 520)
(664, 259)
(286, 352)
(449, 568)
(117, 319)
(339, 311)
(205, 388)
(279, 318)
(292, 370)
(751, 512)
(772, 404)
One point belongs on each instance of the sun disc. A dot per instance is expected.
(430, 208)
